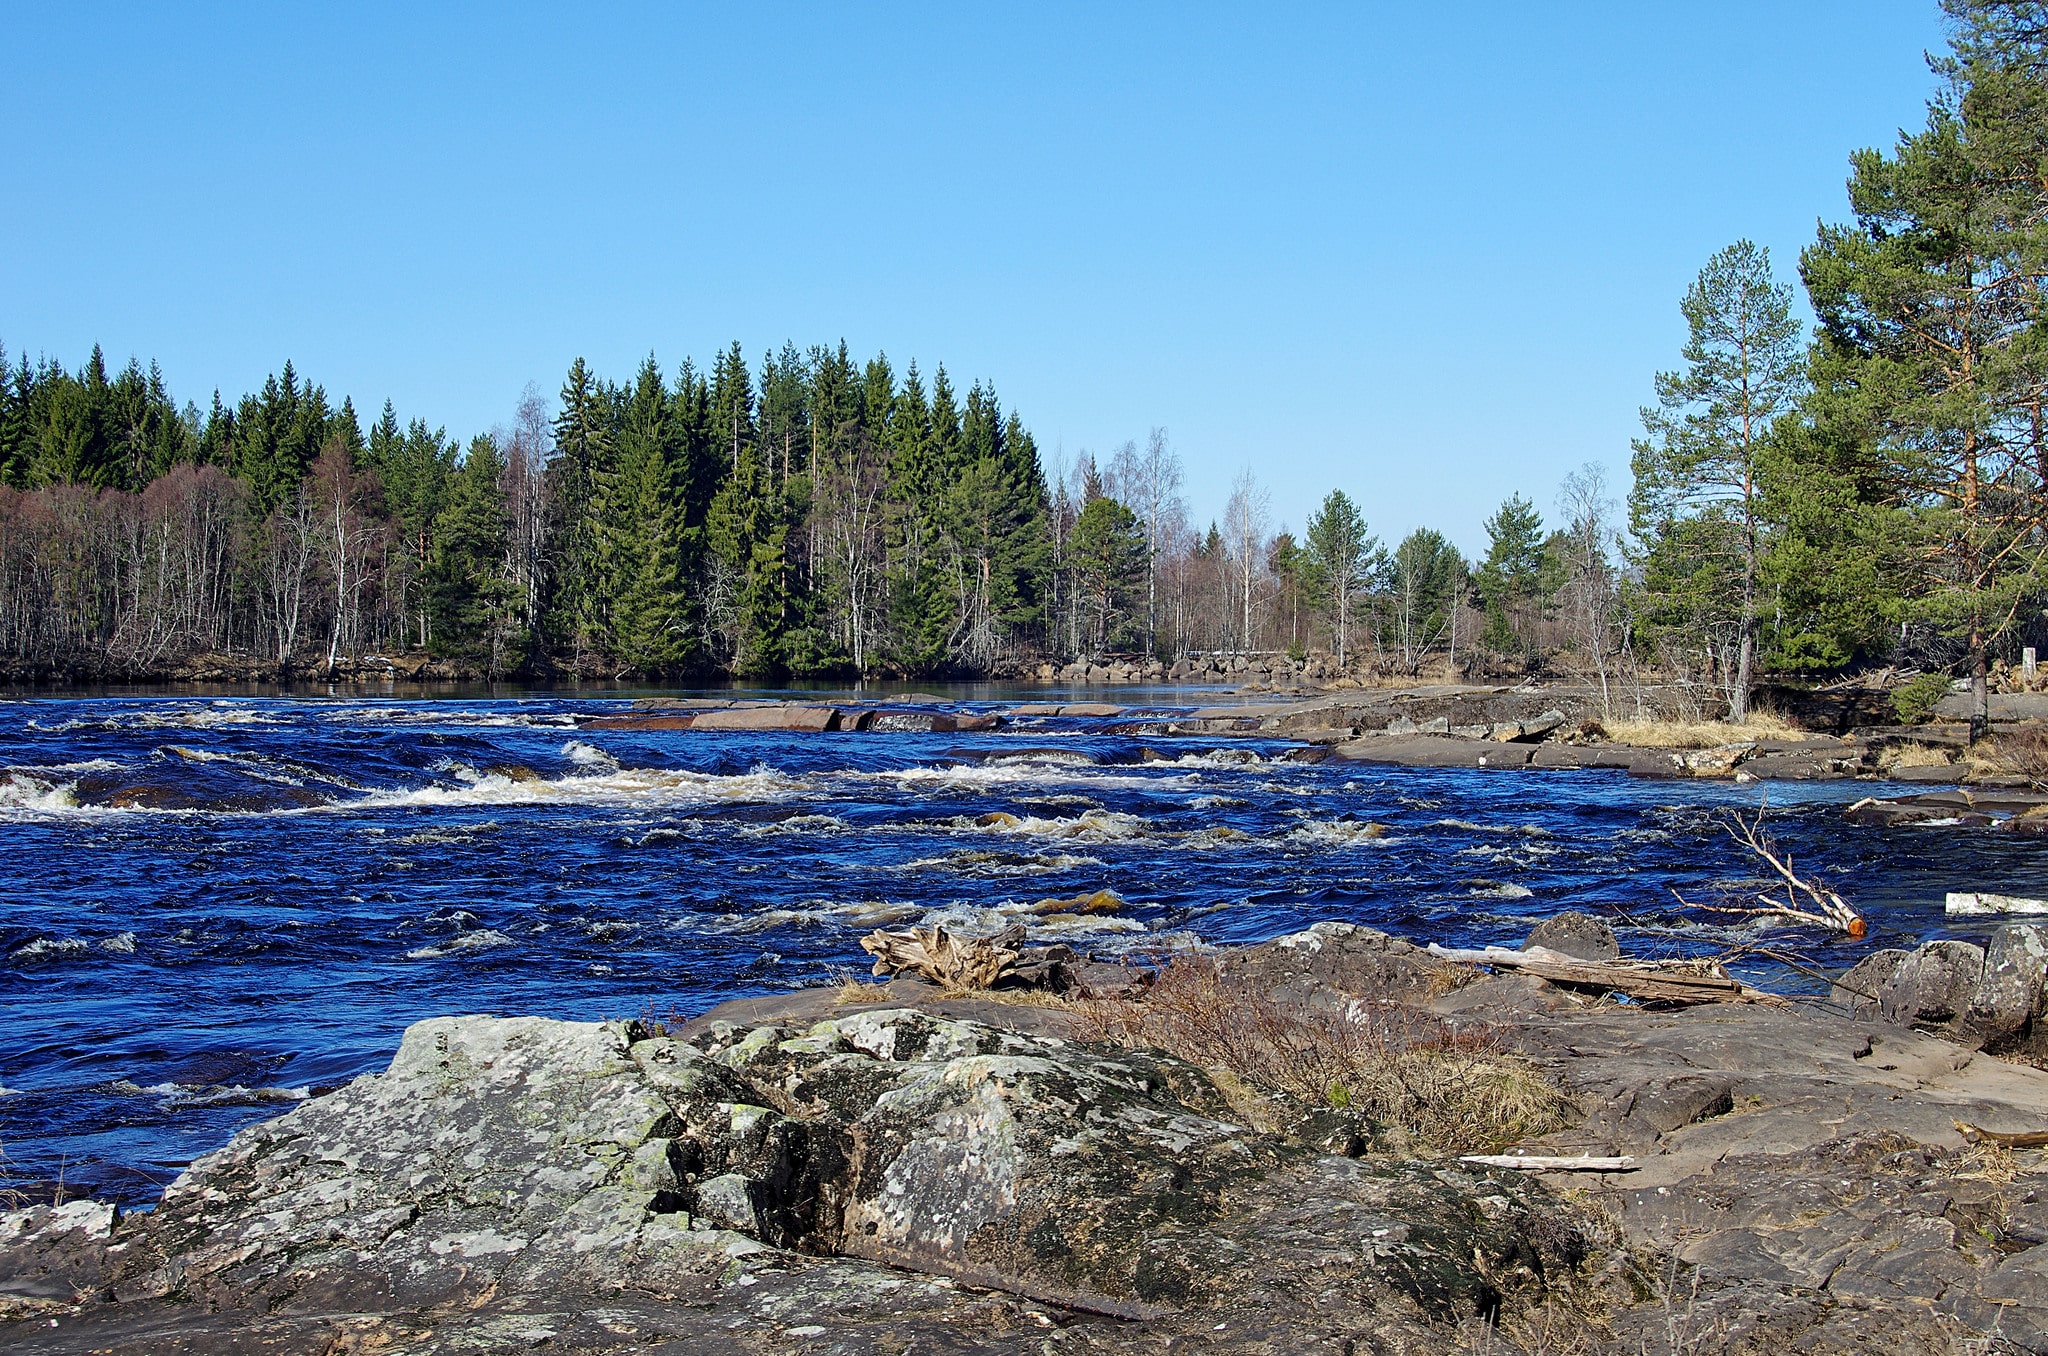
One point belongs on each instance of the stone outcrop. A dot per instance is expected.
(1992, 997)
(932, 1172)
(507, 1177)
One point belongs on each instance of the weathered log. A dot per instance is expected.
(1647, 980)
(2025, 1139)
(945, 957)
(1973, 902)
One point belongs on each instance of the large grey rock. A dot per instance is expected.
(1576, 934)
(1333, 962)
(2010, 993)
(596, 1187)
(1859, 986)
(1933, 986)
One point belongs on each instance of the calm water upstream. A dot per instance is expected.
(210, 907)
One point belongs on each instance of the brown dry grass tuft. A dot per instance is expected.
(1987, 1161)
(1701, 734)
(1912, 755)
(1442, 1088)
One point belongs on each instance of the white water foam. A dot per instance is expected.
(50, 948)
(468, 941)
(625, 786)
(588, 755)
(1343, 833)
(971, 862)
(177, 1096)
(36, 795)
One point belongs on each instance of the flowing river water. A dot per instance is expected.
(211, 907)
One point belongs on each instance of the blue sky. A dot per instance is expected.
(1428, 259)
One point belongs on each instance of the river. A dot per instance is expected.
(213, 906)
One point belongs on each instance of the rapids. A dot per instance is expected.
(210, 907)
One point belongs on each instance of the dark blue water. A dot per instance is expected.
(211, 907)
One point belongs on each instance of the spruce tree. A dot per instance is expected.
(471, 594)
(1108, 555)
(1341, 554)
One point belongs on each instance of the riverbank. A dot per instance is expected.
(892, 1168)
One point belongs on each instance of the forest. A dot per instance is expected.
(1866, 497)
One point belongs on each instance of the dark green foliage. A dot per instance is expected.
(1515, 575)
(1915, 699)
(1425, 581)
(470, 595)
(1342, 560)
(1107, 553)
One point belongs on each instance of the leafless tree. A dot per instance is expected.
(1245, 519)
(1589, 599)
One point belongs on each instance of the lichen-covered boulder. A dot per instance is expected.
(493, 1152)
(2012, 990)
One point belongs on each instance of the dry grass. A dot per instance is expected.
(1986, 1161)
(1425, 1083)
(1895, 756)
(2022, 750)
(1701, 734)
(849, 987)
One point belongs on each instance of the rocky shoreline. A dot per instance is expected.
(1441, 726)
(889, 1168)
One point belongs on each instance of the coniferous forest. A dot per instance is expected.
(1869, 496)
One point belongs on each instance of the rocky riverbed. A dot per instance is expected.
(1453, 725)
(895, 1169)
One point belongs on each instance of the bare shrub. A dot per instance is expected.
(1446, 1088)
(2022, 750)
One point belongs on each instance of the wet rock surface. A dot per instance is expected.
(922, 1171)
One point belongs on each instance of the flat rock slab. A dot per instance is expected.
(1430, 751)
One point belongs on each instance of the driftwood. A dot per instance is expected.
(1650, 981)
(2025, 1139)
(1540, 1163)
(945, 957)
(1974, 902)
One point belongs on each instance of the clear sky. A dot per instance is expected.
(1429, 254)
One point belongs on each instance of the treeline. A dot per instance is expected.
(1873, 496)
(810, 516)
(813, 517)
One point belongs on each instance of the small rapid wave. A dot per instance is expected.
(37, 795)
(626, 786)
(183, 1096)
(484, 940)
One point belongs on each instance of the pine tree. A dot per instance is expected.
(1697, 473)
(1930, 341)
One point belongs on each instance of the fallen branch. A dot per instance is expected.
(2025, 1139)
(944, 957)
(1650, 981)
(1829, 910)
(1540, 1163)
